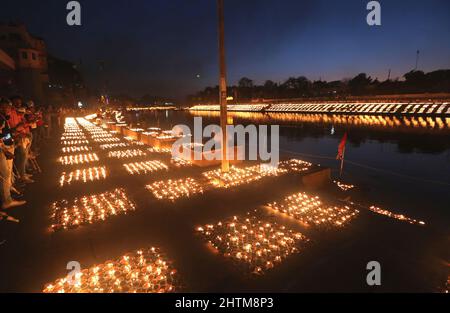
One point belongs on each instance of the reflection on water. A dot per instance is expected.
(410, 134)
(395, 123)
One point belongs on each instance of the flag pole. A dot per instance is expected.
(342, 163)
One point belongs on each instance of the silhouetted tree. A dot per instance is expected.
(270, 89)
(359, 84)
(245, 82)
(245, 88)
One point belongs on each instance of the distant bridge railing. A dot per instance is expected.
(369, 108)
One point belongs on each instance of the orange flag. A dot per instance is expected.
(342, 147)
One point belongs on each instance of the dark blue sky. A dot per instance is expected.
(159, 46)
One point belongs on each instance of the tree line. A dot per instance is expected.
(301, 87)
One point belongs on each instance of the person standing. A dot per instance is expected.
(6, 158)
(31, 118)
(48, 121)
(40, 126)
(20, 130)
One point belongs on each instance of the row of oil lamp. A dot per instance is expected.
(145, 167)
(295, 165)
(159, 150)
(337, 108)
(144, 271)
(96, 136)
(344, 186)
(440, 123)
(399, 217)
(73, 136)
(238, 176)
(78, 159)
(75, 142)
(83, 175)
(90, 209)
(126, 154)
(114, 145)
(254, 243)
(174, 189)
(179, 162)
(73, 149)
(106, 140)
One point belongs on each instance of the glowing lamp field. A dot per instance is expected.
(159, 150)
(126, 154)
(114, 146)
(74, 142)
(399, 217)
(174, 189)
(83, 175)
(101, 136)
(74, 136)
(178, 162)
(90, 209)
(311, 211)
(344, 187)
(295, 165)
(254, 243)
(78, 159)
(143, 271)
(138, 168)
(74, 149)
(106, 140)
(238, 176)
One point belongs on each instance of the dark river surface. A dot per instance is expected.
(401, 164)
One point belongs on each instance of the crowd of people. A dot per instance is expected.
(23, 129)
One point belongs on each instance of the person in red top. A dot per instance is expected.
(40, 126)
(6, 156)
(22, 138)
(31, 119)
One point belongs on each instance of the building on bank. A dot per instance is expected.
(29, 53)
(27, 69)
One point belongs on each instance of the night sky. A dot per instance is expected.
(159, 46)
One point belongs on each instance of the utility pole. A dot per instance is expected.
(223, 88)
(342, 163)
